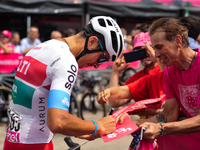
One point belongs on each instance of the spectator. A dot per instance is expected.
(181, 78)
(56, 34)
(124, 32)
(149, 86)
(69, 32)
(198, 40)
(138, 28)
(5, 47)
(193, 25)
(150, 67)
(31, 41)
(15, 40)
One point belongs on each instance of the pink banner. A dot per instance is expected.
(9, 62)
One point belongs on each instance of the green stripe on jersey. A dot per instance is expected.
(19, 95)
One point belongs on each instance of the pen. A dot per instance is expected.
(111, 111)
(103, 90)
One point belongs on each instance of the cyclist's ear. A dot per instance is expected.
(93, 43)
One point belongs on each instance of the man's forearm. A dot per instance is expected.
(187, 126)
(114, 79)
(148, 112)
(7, 50)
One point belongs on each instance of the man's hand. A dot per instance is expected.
(152, 132)
(118, 65)
(121, 117)
(103, 96)
(150, 52)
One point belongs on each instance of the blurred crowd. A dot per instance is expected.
(11, 41)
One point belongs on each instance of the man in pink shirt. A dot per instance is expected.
(169, 39)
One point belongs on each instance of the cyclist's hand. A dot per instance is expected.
(118, 65)
(106, 125)
(103, 96)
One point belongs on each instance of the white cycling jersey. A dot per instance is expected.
(44, 79)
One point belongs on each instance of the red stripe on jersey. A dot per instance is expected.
(47, 87)
(32, 71)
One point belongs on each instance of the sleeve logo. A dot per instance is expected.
(71, 77)
(65, 101)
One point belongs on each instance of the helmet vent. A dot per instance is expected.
(113, 57)
(114, 41)
(120, 50)
(102, 22)
(109, 23)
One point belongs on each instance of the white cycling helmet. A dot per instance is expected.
(112, 34)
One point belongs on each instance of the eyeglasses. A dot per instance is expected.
(104, 59)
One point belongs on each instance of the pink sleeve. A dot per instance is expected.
(168, 86)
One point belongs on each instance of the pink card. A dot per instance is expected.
(137, 106)
(127, 127)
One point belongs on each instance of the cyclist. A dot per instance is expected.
(44, 81)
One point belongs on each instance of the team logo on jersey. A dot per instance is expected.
(37, 48)
(14, 88)
(71, 77)
(66, 102)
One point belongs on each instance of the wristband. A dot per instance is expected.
(162, 129)
(95, 130)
